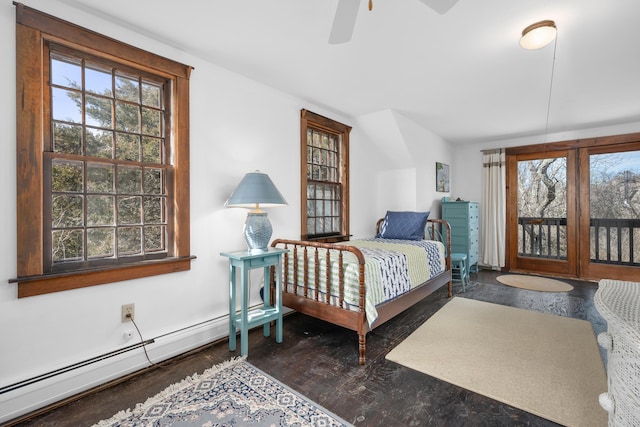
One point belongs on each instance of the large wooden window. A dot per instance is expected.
(325, 178)
(102, 136)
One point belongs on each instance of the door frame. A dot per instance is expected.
(587, 269)
(578, 263)
(555, 267)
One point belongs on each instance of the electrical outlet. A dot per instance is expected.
(128, 312)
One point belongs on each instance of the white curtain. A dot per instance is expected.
(493, 208)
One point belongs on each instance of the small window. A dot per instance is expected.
(325, 178)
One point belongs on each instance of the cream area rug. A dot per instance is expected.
(534, 283)
(544, 364)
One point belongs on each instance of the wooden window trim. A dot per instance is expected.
(310, 119)
(33, 30)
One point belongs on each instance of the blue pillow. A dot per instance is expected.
(403, 225)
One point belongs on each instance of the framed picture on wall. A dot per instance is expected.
(442, 177)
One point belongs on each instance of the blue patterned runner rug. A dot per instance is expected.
(234, 393)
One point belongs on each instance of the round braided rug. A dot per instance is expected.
(534, 283)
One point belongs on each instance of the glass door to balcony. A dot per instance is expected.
(573, 208)
(610, 227)
(542, 214)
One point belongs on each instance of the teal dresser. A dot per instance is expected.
(463, 219)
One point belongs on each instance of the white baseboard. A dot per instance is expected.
(16, 403)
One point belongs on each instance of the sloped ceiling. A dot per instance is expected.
(462, 75)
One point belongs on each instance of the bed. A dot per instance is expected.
(355, 271)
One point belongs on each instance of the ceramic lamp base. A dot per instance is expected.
(257, 230)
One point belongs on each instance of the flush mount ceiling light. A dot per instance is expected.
(538, 35)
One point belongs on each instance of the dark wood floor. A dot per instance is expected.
(320, 361)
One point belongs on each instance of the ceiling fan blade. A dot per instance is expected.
(344, 21)
(440, 6)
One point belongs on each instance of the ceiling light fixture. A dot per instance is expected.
(538, 35)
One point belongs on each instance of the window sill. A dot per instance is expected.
(48, 283)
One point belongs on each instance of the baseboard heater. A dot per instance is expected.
(72, 367)
(96, 359)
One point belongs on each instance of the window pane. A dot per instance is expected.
(151, 150)
(67, 138)
(614, 207)
(100, 242)
(129, 210)
(67, 245)
(100, 210)
(324, 173)
(98, 80)
(154, 238)
(66, 176)
(127, 89)
(66, 71)
(154, 210)
(151, 95)
(542, 207)
(129, 240)
(127, 146)
(151, 122)
(327, 207)
(99, 143)
(65, 105)
(100, 178)
(152, 181)
(127, 118)
(332, 159)
(328, 224)
(66, 211)
(129, 180)
(98, 112)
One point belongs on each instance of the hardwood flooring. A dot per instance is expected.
(320, 361)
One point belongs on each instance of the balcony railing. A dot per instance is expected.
(612, 241)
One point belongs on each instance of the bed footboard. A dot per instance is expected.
(315, 283)
(323, 296)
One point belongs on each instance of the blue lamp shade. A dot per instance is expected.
(256, 189)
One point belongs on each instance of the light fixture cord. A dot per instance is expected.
(553, 68)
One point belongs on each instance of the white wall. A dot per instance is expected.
(397, 190)
(237, 126)
(409, 181)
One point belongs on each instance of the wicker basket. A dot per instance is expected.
(619, 304)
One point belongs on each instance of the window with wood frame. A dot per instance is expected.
(324, 148)
(102, 136)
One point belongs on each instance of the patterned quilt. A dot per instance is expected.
(392, 267)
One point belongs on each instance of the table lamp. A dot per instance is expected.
(256, 189)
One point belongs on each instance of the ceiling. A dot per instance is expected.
(462, 75)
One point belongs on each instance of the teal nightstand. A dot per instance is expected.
(244, 261)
